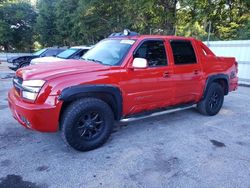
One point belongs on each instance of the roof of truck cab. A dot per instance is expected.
(152, 37)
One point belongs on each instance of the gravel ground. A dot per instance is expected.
(182, 149)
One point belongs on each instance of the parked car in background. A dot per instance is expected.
(72, 53)
(24, 60)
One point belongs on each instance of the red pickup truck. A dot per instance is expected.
(124, 77)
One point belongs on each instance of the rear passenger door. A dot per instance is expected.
(187, 72)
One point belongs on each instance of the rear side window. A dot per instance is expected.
(204, 51)
(154, 51)
(53, 52)
(79, 54)
(183, 52)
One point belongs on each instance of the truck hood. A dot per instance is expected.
(45, 60)
(48, 71)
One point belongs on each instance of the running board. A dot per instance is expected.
(129, 119)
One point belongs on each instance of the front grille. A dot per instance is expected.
(18, 80)
(17, 83)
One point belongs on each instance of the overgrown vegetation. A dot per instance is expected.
(24, 23)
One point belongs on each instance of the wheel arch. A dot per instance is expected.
(21, 64)
(221, 79)
(109, 94)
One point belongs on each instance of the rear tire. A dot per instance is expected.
(213, 100)
(87, 124)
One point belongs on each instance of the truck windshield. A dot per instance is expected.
(67, 53)
(39, 52)
(109, 51)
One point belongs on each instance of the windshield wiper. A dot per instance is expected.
(94, 60)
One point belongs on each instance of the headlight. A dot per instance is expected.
(31, 88)
(32, 62)
(29, 95)
(33, 83)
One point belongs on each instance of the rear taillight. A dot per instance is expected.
(236, 65)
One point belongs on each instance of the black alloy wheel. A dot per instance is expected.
(90, 125)
(213, 100)
(87, 124)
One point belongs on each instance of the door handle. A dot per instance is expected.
(166, 74)
(196, 72)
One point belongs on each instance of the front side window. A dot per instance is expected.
(153, 51)
(109, 51)
(183, 52)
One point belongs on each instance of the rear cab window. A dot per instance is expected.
(205, 50)
(183, 52)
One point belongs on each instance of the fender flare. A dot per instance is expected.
(113, 93)
(213, 78)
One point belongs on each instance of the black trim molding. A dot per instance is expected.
(216, 77)
(111, 93)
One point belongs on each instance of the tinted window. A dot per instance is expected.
(67, 53)
(203, 50)
(183, 52)
(39, 52)
(79, 54)
(52, 52)
(154, 52)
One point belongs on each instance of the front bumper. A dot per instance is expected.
(40, 117)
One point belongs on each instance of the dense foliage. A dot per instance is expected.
(17, 22)
(75, 22)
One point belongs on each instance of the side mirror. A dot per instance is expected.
(139, 63)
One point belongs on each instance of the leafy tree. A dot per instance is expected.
(226, 17)
(16, 25)
(97, 19)
(76, 22)
(244, 32)
(65, 22)
(161, 15)
(5, 35)
(46, 23)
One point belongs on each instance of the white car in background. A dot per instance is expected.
(75, 52)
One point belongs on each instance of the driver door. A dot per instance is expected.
(148, 88)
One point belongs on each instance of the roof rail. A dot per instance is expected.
(125, 33)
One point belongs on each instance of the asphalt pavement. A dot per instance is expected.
(182, 149)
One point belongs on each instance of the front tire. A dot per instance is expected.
(213, 101)
(87, 124)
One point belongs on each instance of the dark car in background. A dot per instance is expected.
(75, 52)
(24, 60)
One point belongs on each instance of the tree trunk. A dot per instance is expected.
(170, 18)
